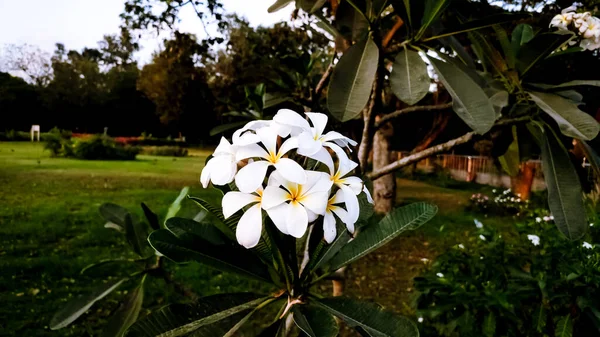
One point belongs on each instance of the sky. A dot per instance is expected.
(82, 23)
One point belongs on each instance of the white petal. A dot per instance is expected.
(290, 170)
(346, 166)
(251, 176)
(274, 196)
(312, 216)
(234, 201)
(224, 147)
(319, 122)
(317, 182)
(340, 153)
(369, 198)
(289, 144)
(246, 139)
(316, 202)
(355, 183)
(352, 205)
(268, 137)
(249, 227)
(343, 215)
(297, 220)
(223, 169)
(324, 157)
(332, 135)
(307, 145)
(279, 217)
(292, 118)
(338, 198)
(250, 151)
(329, 229)
(205, 175)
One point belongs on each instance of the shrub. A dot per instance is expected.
(495, 286)
(168, 151)
(103, 147)
(501, 203)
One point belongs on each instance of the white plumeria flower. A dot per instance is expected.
(538, 219)
(482, 237)
(478, 223)
(249, 227)
(312, 140)
(222, 167)
(590, 28)
(535, 240)
(440, 275)
(329, 228)
(587, 245)
(564, 19)
(251, 176)
(461, 246)
(293, 206)
(579, 19)
(247, 135)
(589, 44)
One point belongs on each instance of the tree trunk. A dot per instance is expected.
(522, 182)
(384, 188)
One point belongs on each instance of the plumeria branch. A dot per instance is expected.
(413, 158)
(384, 119)
(322, 82)
(368, 119)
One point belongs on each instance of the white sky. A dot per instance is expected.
(82, 23)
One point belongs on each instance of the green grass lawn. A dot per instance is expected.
(50, 229)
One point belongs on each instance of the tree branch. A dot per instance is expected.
(368, 117)
(413, 158)
(322, 82)
(384, 119)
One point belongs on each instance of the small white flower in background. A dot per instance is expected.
(222, 167)
(538, 219)
(494, 191)
(535, 240)
(461, 246)
(424, 260)
(420, 319)
(592, 225)
(440, 275)
(478, 223)
(482, 237)
(587, 245)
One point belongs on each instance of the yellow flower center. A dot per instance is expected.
(336, 178)
(273, 157)
(295, 194)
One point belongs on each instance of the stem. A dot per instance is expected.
(401, 112)
(358, 10)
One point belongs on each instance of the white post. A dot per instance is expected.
(34, 129)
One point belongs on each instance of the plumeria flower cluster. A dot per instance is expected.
(290, 170)
(585, 25)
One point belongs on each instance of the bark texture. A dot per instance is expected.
(384, 187)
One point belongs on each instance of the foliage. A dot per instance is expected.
(95, 147)
(501, 203)
(146, 265)
(492, 285)
(169, 151)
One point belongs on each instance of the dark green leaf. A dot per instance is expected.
(231, 259)
(539, 48)
(113, 213)
(274, 330)
(571, 121)
(137, 235)
(522, 34)
(469, 101)
(151, 217)
(351, 23)
(393, 224)
(489, 325)
(176, 205)
(564, 327)
(314, 321)
(104, 262)
(505, 44)
(328, 251)
(226, 127)
(409, 79)
(370, 317)
(271, 100)
(183, 227)
(433, 10)
(80, 304)
(226, 226)
(352, 80)
(539, 319)
(510, 160)
(207, 318)
(480, 24)
(279, 4)
(127, 313)
(564, 189)
(569, 84)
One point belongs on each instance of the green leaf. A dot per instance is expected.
(80, 304)
(370, 317)
(231, 259)
(591, 155)
(571, 121)
(565, 198)
(127, 313)
(113, 213)
(480, 24)
(489, 325)
(469, 101)
(226, 127)
(569, 84)
(328, 251)
(407, 7)
(564, 327)
(137, 234)
(226, 226)
(505, 44)
(539, 48)
(183, 227)
(352, 80)
(539, 319)
(351, 22)
(314, 321)
(274, 330)
(409, 79)
(393, 224)
(104, 262)
(271, 100)
(433, 10)
(206, 318)
(278, 5)
(176, 205)
(522, 34)
(510, 160)
(151, 217)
